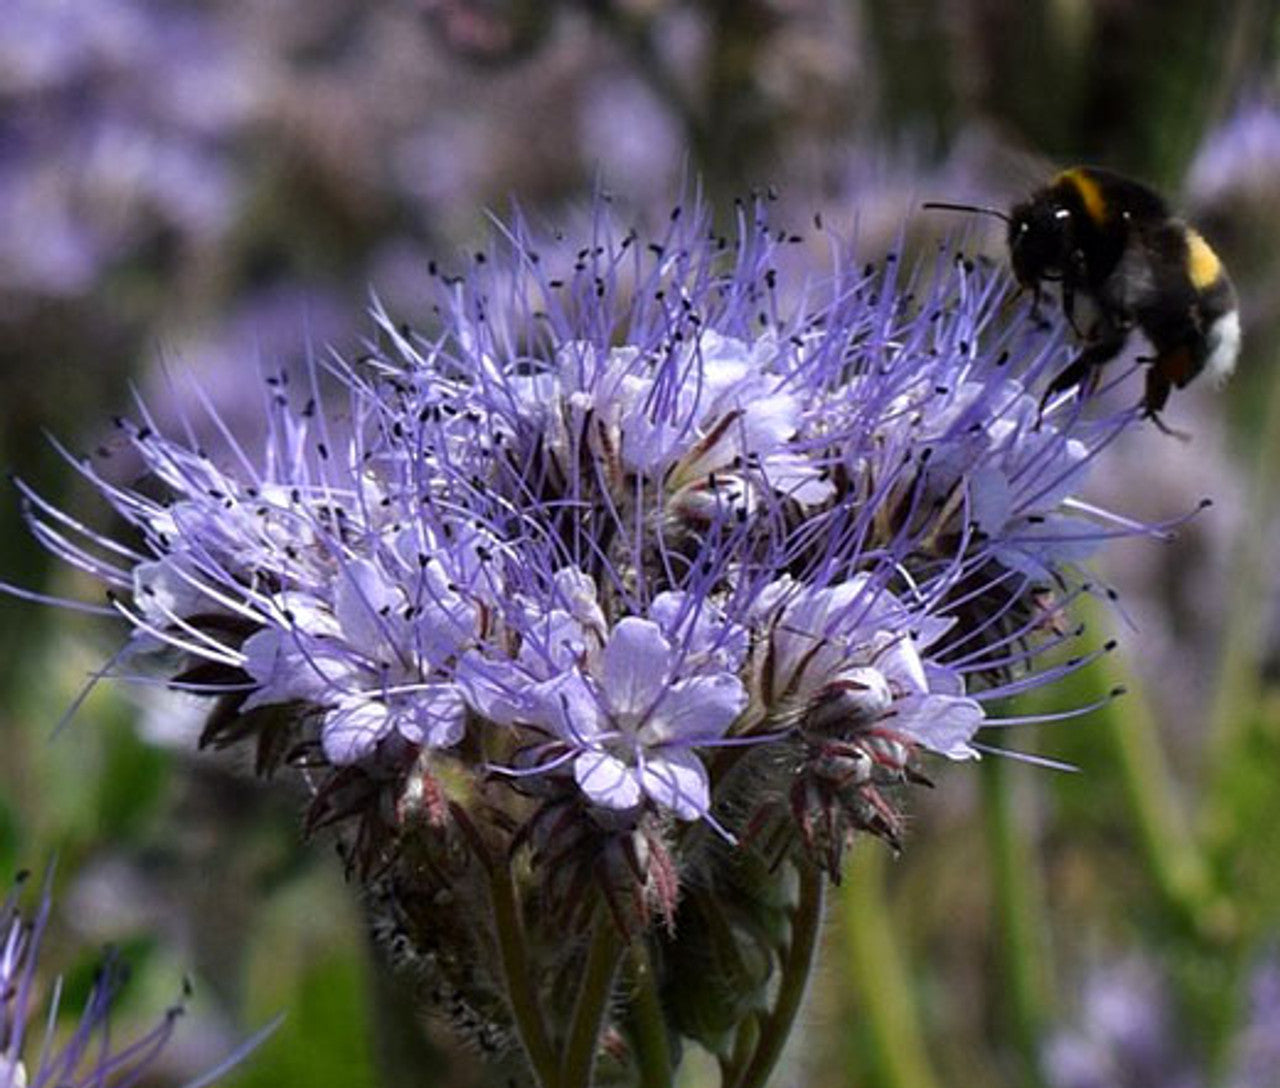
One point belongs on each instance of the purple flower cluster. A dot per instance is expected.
(604, 536)
(642, 575)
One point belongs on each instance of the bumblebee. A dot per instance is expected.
(1115, 245)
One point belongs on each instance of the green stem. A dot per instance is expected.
(875, 965)
(745, 1039)
(1238, 687)
(806, 924)
(648, 1027)
(518, 982)
(592, 1003)
(1021, 920)
(1173, 857)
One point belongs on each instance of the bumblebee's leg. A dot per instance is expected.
(1079, 274)
(1157, 395)
(1168, 369)
(1069, 377)
(1036, 315)
(1069, 309)
(1085, 370)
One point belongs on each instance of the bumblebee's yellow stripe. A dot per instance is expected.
(1203, 265)
(1095, 204)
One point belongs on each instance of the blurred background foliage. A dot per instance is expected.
(215, 187)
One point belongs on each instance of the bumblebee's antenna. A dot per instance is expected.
(973, 208)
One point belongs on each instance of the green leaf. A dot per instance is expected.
(308, 961)
(132, 781)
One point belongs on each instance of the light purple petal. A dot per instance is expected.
(290, 666)
(926, 630)
(161, 592)
(581, 599)
(554, 642)
(701, 632)
(352, 730)
(496, 690)
(811, 630)
(648, 445)
(446, 621)
(943, 681)
(670, 610)
(797, 477)
(363, 600)
(765, 423)
(770, 421)
(634, 667)
(1036, 548)
(941, 723)
(436, 716)
(896, 657)
(677, 781)
(990, 499)
(607, 780)
(568, 707)
(696, 710)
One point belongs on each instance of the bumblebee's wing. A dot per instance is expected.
(1009, 170)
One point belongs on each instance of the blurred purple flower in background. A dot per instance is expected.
(1256, 1054)
(114, 123)
(1241, 153)
(34, 1050)
(1129, 1033)
(1126, 1035)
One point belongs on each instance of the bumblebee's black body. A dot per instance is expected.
(1115, 243)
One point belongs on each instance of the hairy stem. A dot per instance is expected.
(518, 982)
(648, 1028)
(806, 924)
(592, 1002)
(745, 1039)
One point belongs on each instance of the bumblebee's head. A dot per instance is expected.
(1041, 238)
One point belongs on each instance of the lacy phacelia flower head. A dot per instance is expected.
(632, 549)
